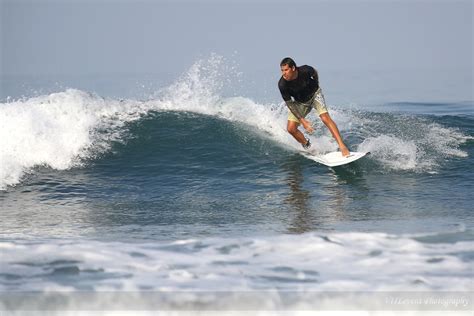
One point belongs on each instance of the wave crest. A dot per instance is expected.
(62, 130)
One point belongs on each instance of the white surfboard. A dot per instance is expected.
(335, 158)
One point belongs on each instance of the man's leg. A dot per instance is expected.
(327, 120)
(320, 105)
(292, 128)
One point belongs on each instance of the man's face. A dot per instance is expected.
(287, 72)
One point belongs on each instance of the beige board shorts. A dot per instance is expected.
(317, 102)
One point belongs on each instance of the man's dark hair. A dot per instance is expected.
(288, 61)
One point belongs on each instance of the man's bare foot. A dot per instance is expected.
(345, 151)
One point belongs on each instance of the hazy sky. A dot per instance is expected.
(106, 36)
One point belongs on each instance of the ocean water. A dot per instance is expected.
(193, 199)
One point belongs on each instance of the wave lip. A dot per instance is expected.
(48, 130)
(58, 131)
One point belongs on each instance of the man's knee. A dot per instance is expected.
(292, 127)
(325, 118)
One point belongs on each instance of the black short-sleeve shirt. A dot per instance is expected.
(303, 87)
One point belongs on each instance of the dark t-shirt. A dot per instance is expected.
(303, 87)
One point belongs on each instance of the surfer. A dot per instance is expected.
(299, 87)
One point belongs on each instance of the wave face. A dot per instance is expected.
(72, 128)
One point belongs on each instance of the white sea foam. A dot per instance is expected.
(201, 271)
(58, 130)
(417, 145)
(63, 129)
(392, 151)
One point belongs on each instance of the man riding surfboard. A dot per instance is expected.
(299, 88)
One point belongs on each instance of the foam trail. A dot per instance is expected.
(392, 151)
(401, 142)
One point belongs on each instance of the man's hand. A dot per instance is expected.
(307, 125)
